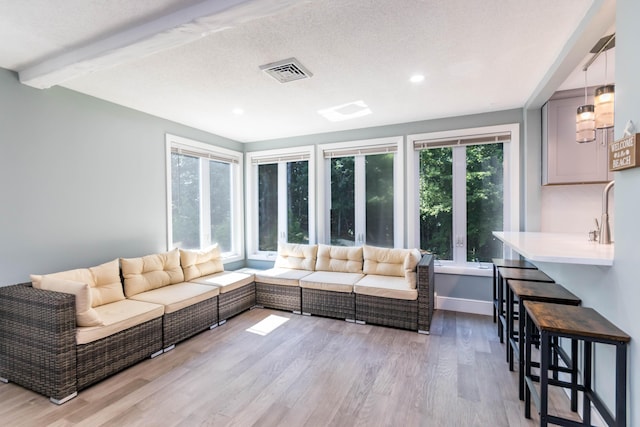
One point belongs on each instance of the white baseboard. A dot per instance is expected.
(464, 305)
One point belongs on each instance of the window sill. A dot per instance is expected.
(470, 269)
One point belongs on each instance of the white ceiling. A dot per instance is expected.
(193, 62)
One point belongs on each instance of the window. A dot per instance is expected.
(465, 189)
(363, 184)
(204, 194)
(280, 199)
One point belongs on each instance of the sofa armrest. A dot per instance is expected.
(426, 295)
(38, 340)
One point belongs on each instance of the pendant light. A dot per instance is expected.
(604, 102)
(585, 119)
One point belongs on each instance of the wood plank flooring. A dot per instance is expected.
(310, 371)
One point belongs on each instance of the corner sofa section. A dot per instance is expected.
(65, 331)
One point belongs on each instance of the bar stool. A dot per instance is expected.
(504, 275)
(542, 292)
(498, 294)
(580, 324)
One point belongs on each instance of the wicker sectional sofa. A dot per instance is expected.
(367, 284)
(63, 332)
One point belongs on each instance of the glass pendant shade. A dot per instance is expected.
(604, 102)
(585, 124)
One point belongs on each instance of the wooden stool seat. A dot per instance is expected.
(533, 291)
(582, 324)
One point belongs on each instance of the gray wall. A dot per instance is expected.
(82, 181)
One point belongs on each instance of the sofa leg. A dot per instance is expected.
(424, 332)
(222, 322)
(296, 312)
(256, 306)
(350, 320)
(171, 347)
(157, 353)
(4, 380)
(306, 314)
(64, 399)
(360, 322)
(215, 325)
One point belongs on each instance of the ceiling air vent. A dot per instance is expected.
(286, 70)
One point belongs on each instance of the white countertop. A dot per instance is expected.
(562, 248)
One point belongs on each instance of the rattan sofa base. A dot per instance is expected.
(38, 344)
(236, 301)
(186, 322)
(279, 297)
(392, 312)
(100, 359)
(339, 305)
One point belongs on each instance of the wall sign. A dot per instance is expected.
(624, 153)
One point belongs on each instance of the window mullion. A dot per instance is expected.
(459, 205)
(360, 201)
(282, 203)
(205, 203)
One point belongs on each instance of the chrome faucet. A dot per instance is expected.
(604, 233)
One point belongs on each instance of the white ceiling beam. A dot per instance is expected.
(166, 32)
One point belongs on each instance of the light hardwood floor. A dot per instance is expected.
(309, 371)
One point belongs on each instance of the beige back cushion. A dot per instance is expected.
(296, 256)
(103, 280)
(85, 314)
(151, 272)
(201, 263)
(384, 261)
(345, 259)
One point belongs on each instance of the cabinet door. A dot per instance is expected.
(564, 160)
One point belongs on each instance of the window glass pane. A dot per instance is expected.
(379, 197)
(436, 196)
(298, 202)
(484, 201)
(220, 202)
(268, 207)
(185, 201)
(342, 201)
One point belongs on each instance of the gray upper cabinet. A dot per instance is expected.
(564, 161)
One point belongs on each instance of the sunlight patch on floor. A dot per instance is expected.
(267, 325)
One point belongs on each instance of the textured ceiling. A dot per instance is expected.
(476, 56)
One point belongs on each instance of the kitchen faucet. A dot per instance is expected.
(604, 233)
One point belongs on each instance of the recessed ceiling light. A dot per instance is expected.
(350, 110)
(238, 111)
(416, 78)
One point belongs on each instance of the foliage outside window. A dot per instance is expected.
(461, 192)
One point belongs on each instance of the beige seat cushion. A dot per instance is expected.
(118, 316)
(296, 256)
(151, 272)
(386, 287)
(226, 281)
(178, 296)
(85, 314)
(104, 281)
(281, 276)
(344, 259)
(200, 263)
(331, 281)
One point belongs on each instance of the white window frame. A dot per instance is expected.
(511, 198)
(281, 157)
(237, 201)
(365, 146)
